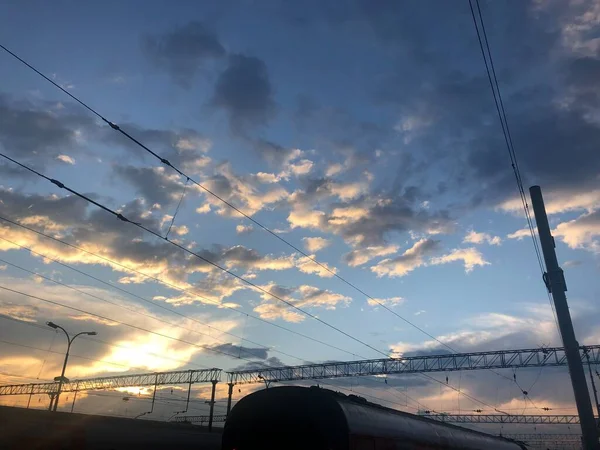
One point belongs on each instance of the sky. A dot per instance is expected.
(363, 133)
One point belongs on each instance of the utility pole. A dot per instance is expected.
(555, 282)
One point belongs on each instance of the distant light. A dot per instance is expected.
(52, 325)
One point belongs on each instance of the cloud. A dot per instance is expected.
(244, 229)
(366, 220)
(99, 233)
(184, 51)
(559, 201)
(276, 155)
(243, 352)
(364, 255)
(66, 159)
(519, 234)
(129, 348)
(303, 296)
(272, 361)
(243, 90)
(391, 301)
(411, 259)
(38, 132)
(156, 184)
(471, 257)
(184, 148)
(308, 265)
(314, 244)
(473, 237)
(334, 169)
(582, 232)
(243, 191)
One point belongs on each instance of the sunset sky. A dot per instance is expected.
(362, 132)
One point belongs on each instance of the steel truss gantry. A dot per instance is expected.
(502, 359)
(502, 418)
(120, 381)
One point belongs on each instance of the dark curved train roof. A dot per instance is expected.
(312, 418)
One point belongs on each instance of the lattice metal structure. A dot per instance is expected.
(501, 418)
(199, 419)
(542, 437)
(502, 359)
(120, 381)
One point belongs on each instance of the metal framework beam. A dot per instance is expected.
(501, 418)
(502, 359)
(541, 437)
(199, 419)
(120, 381)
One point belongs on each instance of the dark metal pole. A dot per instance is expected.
(229, 395)
(555, 282)
(212, 405)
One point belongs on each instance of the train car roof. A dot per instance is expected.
(336, 415)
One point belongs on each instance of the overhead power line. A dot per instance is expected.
(496, 93)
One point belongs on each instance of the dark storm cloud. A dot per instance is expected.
(242, 352)
(243, 90)
(183, 51)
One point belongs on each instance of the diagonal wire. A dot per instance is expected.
(178, 206)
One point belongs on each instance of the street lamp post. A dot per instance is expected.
(62, 375)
